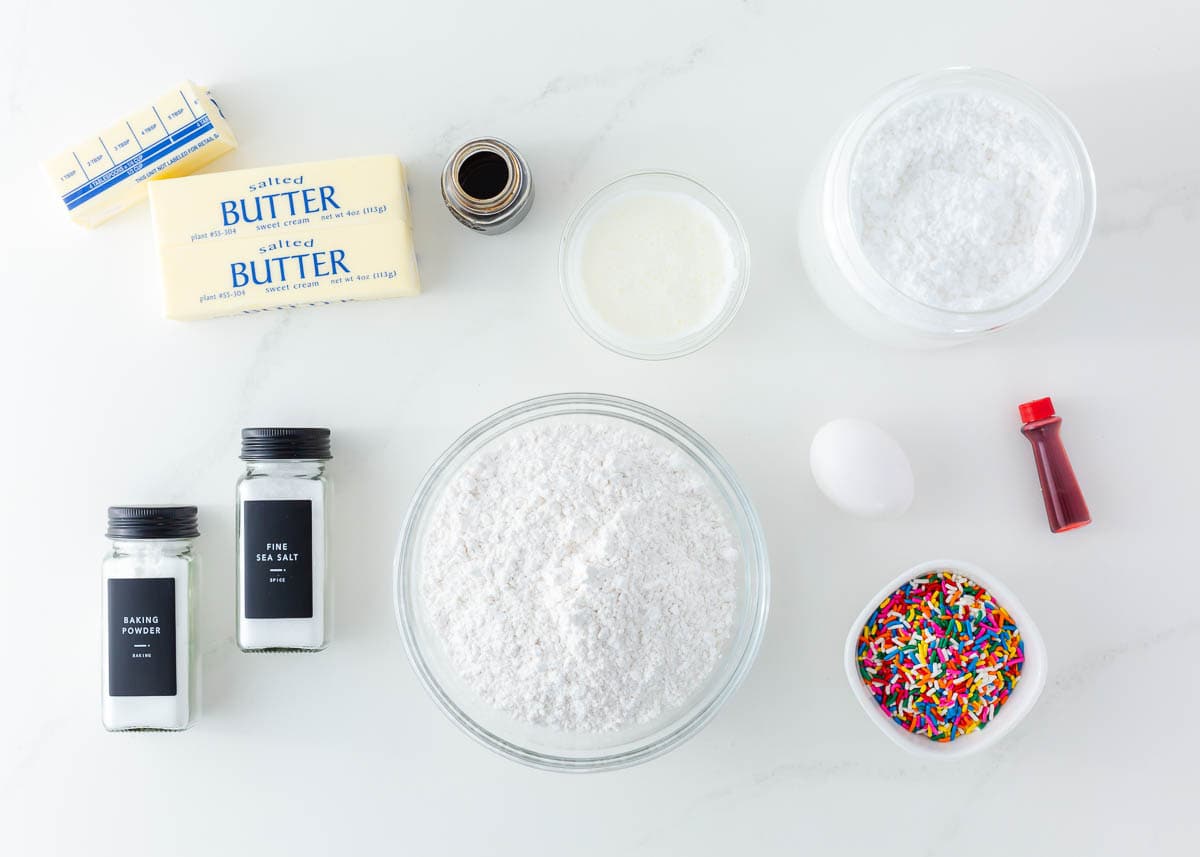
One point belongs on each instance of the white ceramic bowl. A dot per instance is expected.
(1024, 694)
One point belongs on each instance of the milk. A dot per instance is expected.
(655, 265)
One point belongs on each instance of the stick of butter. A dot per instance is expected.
(294, 235)
(174, 136)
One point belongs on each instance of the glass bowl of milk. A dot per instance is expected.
(654, 265)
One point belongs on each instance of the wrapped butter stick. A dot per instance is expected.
(173, 136)
(294, 235)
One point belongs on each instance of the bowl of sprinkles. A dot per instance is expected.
(945, 659)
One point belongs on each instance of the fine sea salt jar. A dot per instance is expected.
(283, 594)
(149, 672)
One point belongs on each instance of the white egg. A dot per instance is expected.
(861, 468)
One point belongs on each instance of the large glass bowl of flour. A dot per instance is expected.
(581, 582)
(955, 203)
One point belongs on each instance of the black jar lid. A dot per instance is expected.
(272, 444)
(152, 522)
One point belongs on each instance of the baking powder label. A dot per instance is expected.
(141, 636)
(277, 535)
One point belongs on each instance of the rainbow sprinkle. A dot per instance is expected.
(940, 656)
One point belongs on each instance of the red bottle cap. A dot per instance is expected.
(1038, 409)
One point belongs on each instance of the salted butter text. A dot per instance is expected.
(277, 204)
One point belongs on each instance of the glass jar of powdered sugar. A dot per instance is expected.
(953, 204)
(149, 673)
(283, 585)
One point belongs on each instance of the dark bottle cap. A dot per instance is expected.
(1038, 409)
(152, 522)
(272, 444)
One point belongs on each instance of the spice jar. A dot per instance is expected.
(149, 672)
(283, 592)
(487, 186)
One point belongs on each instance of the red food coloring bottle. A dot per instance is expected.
(1065, 506)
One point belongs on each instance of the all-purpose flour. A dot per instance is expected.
(581, 575)
(963, 200)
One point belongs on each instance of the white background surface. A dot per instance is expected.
(105, 402)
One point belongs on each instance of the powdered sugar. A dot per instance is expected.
(581, 575)
(963, 201)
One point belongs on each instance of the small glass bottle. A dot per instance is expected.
(283, 588)
(487, 186)
(1065, 506)
(149, 673)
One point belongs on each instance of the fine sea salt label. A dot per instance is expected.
(277, 539)
(141, 636)
(294, 235)
(174, 135)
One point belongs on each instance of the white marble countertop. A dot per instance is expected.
(105, 402)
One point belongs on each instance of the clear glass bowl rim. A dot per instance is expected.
(692, 342)
(691, 721)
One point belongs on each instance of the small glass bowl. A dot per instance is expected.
(575, 294)
(1020, 701)
(848, 282)
(539, 746)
